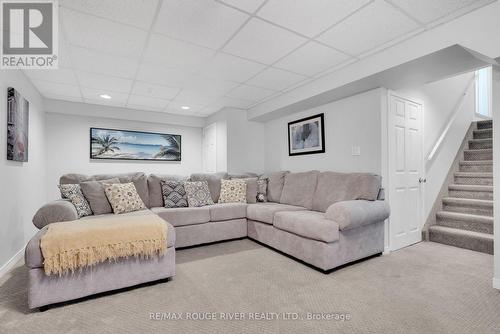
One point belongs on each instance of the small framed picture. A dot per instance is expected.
(306, 135)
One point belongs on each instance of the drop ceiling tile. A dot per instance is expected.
(309, 18)
(104, 82)
(150, 102)
(209, 85)
(92, 61)
(187, 97)
(176, 108)
(273, 78)
(250, 93)
(263, 42)
(246, 5)
(176, 54)
(110, 103)
(227, 67)
(60, 75)
(311, 58)
(429, 10)
(133, 12)
(207, 111)
(94, 95)
(64, 60)
(49, 89)
(154, 91)
(99, 34)
(160, 75)
(370, 27)
(206, 23)
(231, 102)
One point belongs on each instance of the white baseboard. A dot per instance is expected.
(386, 251)
(496, 283)
(11, 263)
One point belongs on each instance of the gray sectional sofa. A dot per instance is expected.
(324, 219)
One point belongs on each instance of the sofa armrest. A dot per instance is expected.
(352, 214)
(53, 212)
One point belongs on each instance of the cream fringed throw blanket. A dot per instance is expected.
(81, 243)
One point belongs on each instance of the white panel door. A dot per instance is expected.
(406, 172)
(210, 148)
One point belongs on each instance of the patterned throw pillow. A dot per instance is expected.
(233, 191)
(198, 193)
(73, 192)
(174, 194)
(123, 197)
(262, 190)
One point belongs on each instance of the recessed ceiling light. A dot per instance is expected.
(105, 96)
(185, 108)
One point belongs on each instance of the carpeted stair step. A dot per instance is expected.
(477, 241)
(484, 179)
(470, 191)
(475, 144)
(482, 134)
(479, 207)
(480, 154)
(485, 124)
(476, 166)
(463, 221)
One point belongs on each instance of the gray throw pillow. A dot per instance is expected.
(73, 192)
(174, 194)
(95, 195)
(252, 189)
(198, 193)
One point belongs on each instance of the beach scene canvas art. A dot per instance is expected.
(134, 145)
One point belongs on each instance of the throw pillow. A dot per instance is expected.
(174, 194)
(262, 190)
(233, 191)
(95, 195)
(252, 188)
(74, 193)
(197, 193)
(123, 197)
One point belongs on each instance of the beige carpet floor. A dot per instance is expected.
(425, 288)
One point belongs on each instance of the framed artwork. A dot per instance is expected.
(134, 145)
(17, 126)
(306, 135)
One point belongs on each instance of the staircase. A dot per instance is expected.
(466, 217)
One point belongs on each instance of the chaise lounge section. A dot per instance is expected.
(325, 219)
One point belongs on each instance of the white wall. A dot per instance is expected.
(68, 148)
(244, 141)
(440, 100)
(351, 121)
(22, 184)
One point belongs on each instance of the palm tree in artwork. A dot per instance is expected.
(171, 151)
(107, 143)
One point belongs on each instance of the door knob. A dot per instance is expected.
(421, 180)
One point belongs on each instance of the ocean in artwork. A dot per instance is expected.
(134, 145)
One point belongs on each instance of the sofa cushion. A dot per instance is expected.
(213, 180)
(198, 193)
(241, 175)
(174, 194)
(299, 188)
(74, 178)
(73, 192)
(139, 180)
(154, 185)
(264, 212)
(275, 182)
(184, 216)
(95, 195)
(123, 197)
(227, 211)
(335, 187)
(233, 191)
(33, 255)
(308, 224)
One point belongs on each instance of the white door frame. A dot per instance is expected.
(387, 163)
